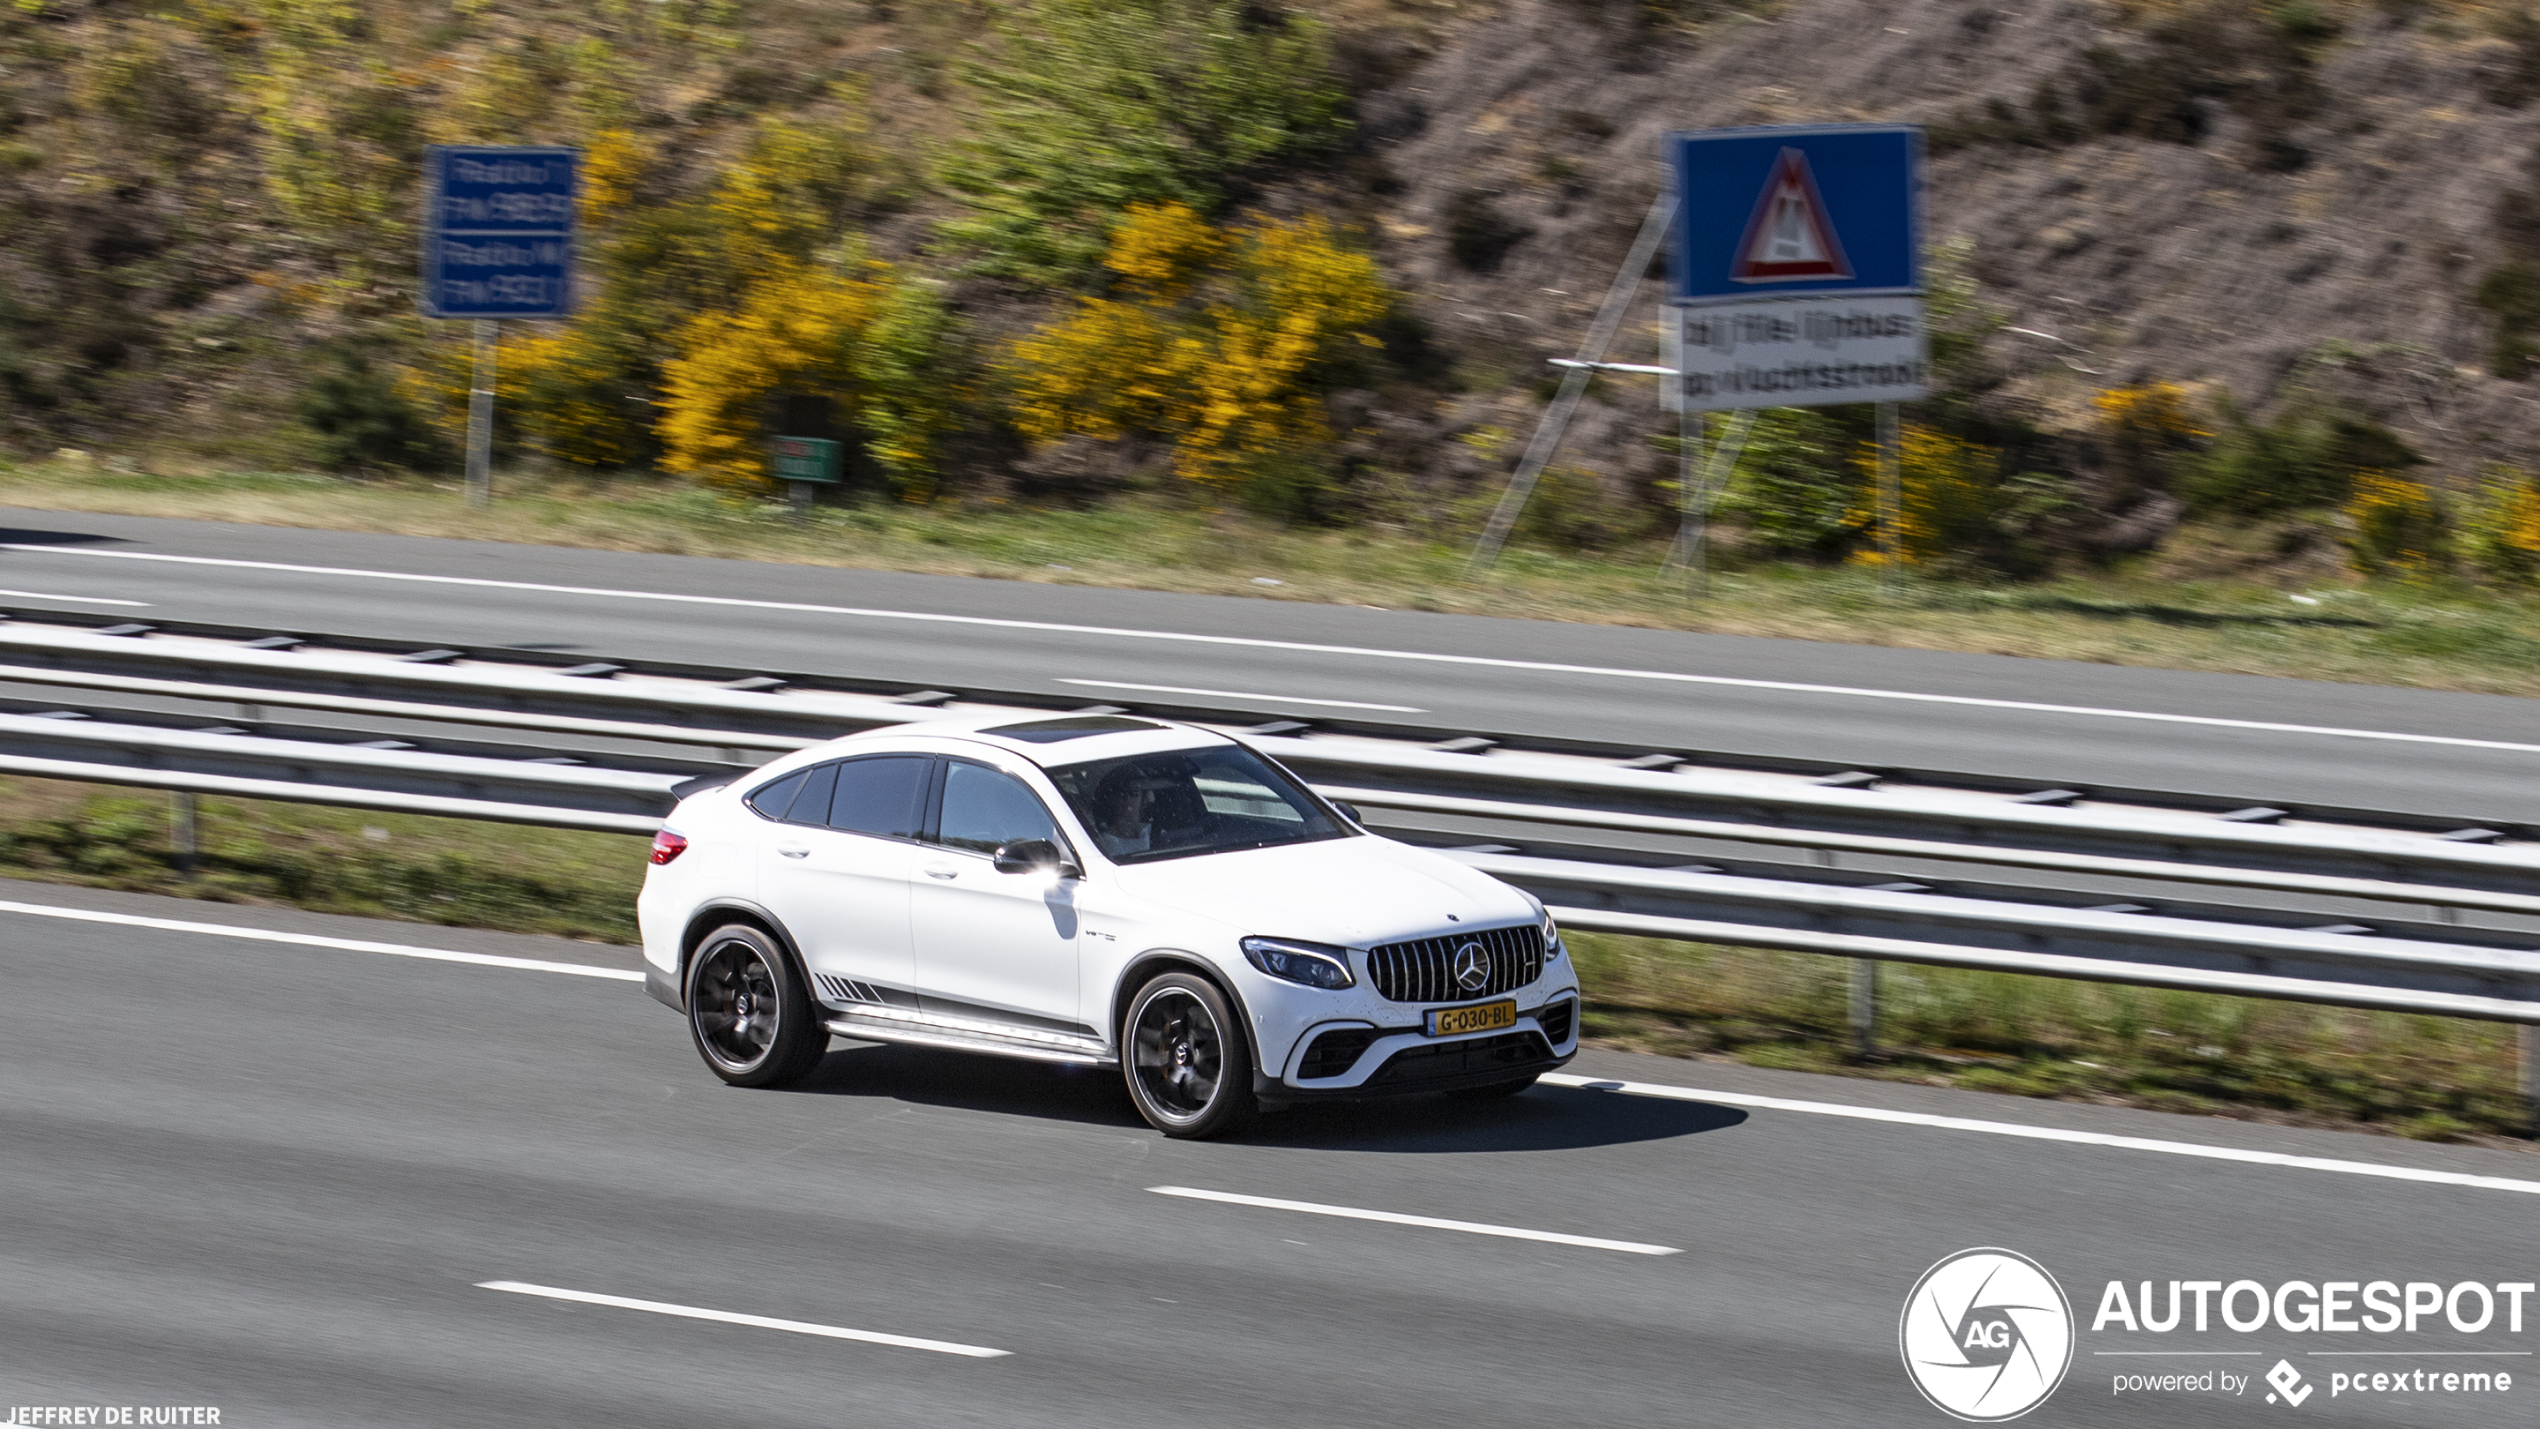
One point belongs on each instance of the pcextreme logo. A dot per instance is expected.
(1986, 1335)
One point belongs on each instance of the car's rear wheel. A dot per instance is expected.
(1185, 1057)
(1495, 1090)
(751, 1019)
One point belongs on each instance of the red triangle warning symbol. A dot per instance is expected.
(1787, 237)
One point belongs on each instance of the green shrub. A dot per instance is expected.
(2400, 527)
(1089, 106)
(2307, 457)
(2499, 530)
(1795, 490)
(361, 420)
(1570, 511)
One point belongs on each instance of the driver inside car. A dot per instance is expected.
(1127, 801)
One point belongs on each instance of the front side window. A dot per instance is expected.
(983, 809)
(1191, 801)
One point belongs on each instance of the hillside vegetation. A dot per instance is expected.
(2270, 270)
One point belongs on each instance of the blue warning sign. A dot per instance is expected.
(1797, 211)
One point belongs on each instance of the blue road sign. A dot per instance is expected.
(498, 232)
(1798, 211)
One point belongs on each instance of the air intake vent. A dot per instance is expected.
(845, 990)
(1557, 1020)
(1425, 970)
(1334, 1053)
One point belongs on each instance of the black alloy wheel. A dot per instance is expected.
(748, 1013)
(1186, 1060)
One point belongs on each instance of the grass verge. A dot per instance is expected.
(419, 870)
(2427, 1077)
(2431, 635)
(2431, 1078)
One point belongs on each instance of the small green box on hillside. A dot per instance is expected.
(808, 459)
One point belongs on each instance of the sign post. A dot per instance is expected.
(497, 243)
(1799, 283)
(1798, 279)
(805, 462)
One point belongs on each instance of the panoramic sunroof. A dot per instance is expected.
(1051, 731)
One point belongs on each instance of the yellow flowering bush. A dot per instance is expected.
(611, 167)
(1223, 343)
(2500, 529)
(2399, 526)
(1948, 494)
(865, 338)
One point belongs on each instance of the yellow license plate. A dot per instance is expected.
(1480, 1017)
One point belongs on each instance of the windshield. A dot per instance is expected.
(1191, 801)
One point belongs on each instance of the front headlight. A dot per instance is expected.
(1551, 938)
(1313, 964)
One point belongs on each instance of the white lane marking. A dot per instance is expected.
(2050, 1133)
(1307, 647)
(311, 940)
(1353, 1213)
(1242, 695)
(1563, 1079)
(74, 599)
(756, 1322)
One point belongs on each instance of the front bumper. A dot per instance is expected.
(1393, 1061)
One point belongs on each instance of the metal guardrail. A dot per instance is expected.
(728, 720)
(2313, 965)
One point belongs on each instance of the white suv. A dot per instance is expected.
(1094, 889)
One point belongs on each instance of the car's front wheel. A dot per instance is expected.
(751, 1019)
(1186, 1059)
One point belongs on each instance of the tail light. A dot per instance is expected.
(667, 846)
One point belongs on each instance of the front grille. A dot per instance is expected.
(1335, 1052)
(1424, 970)
(1557, 1018)
(1511, 1052)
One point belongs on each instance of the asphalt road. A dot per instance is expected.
(2471, 756)
(271, 1179)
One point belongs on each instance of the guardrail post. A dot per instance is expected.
(2531, 1073)
(183, 838)
(1865, 1007)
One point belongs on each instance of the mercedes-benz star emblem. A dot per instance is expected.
(1472, 967)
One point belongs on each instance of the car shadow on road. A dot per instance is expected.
(1542, 1119)
(11, 536)
(1091, 1095)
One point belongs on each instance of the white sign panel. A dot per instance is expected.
(1803, 352)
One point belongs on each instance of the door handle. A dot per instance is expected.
(794, 850)
(942, 870)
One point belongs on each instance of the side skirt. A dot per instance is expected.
(909, 1026)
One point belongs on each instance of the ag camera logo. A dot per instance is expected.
(1986, 1335)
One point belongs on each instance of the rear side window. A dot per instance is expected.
(811, 806)
(885, 797)
(772, 800)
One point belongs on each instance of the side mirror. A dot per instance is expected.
(1031, 855)
(1349, 811)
